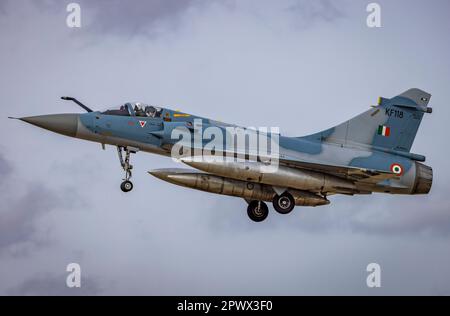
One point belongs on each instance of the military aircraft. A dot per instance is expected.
(368, 153)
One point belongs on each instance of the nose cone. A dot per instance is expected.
(65, 124)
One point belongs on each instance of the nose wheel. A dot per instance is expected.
(126, 185)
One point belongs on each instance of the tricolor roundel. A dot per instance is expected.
(397, 169)
(384, 130)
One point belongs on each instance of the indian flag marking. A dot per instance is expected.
(397, 169)
(384, 130)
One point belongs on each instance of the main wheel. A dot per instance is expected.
(283, 203)
(257, 211)
(126, 186)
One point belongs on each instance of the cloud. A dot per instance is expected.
(430, 216)
(139, 17)
(150, 18)
(19, 215)
(308, 12)
(22, 208)
(3, 6)
(378, 215)
(374, 215)
(5, 169)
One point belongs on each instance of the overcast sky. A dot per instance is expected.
(300, 65)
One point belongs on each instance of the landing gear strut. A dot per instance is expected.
(126, 185)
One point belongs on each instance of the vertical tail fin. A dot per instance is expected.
(392, 124)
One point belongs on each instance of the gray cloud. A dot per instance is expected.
(22, 208)
(419, 215)
(3, 6)
(308, 12)
(19, 216)
(429, 216)
(120, 17)
(5, 169)
(141, 17)
(153, 17)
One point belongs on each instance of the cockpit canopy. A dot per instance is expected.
(135, 109)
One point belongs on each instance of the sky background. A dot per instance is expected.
(301, 65)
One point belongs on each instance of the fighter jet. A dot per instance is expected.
(368, 153)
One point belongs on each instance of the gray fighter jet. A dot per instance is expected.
(368, 153)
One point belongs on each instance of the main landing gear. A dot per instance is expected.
(126, 185)
(258, 210)
(283, 203)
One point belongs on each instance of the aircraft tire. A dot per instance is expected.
(257, 211)
(126, 186)
(284, 203)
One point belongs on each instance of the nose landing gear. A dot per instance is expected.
(126, 185)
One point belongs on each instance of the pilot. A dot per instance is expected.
(150, 110)
(138, 110)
